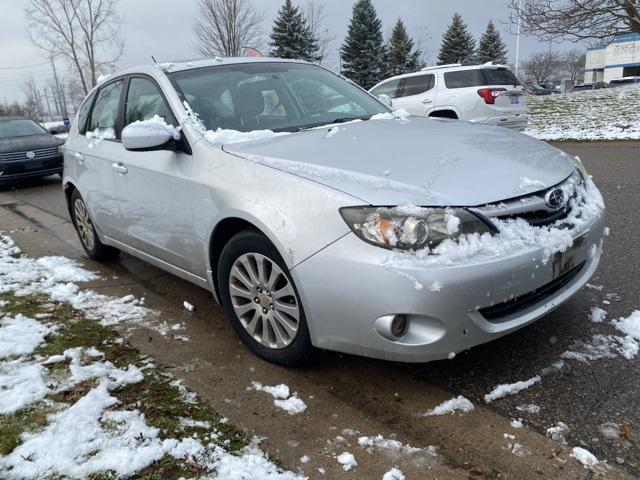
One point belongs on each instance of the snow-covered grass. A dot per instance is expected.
(77, 401)
(607, 114)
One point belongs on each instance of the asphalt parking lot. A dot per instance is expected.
(590, 398)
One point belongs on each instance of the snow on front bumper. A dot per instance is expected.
(451, 299)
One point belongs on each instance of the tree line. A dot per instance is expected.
(86, 35)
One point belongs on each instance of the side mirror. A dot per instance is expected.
(148, 135)
(386, 99)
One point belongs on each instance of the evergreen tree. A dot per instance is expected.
(401, 58)
(291, 36)
(363, 52)
(458, 45)
(491, 47)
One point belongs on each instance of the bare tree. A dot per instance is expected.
(84, 32)
(576, 19)
(33, 102)
(543, 66)
(573, 65)
(224, 27)
(316, 16)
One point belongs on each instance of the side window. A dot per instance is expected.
(464, 78)
(417, 85)
(389, 88)
(83, 114)
(144, 101)
(105, 110)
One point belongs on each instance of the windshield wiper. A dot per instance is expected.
(320, 124)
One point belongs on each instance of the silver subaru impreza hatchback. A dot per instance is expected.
(319, 218)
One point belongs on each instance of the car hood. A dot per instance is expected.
(415, 161)
(30, 142)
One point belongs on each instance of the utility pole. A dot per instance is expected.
(61, 99)
(518, 38)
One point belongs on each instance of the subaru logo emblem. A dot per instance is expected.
(555, 199)
(31, 155)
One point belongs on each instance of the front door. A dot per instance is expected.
(93, 153)
(416, 94)
(152, 187)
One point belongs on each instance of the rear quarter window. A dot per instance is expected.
(83, 114)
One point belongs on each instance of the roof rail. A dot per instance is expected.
(442, 66)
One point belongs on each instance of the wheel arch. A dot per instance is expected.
(224, 231)
(68, 189)
(445, 113)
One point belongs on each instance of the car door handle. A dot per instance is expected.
(427, 101)
(79, 157)
(120, 168)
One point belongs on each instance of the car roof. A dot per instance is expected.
(446, 68)
(182, 65)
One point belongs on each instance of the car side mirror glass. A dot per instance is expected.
(148, 135)
(386, 99)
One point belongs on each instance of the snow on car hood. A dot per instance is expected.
(418, 161)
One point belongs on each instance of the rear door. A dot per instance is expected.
(92, 153)
(416, 94)
(152, 187)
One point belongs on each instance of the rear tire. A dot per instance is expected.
(261, 301)
(87, 234)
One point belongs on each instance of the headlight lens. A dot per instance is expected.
(580, 166)
(411, 228)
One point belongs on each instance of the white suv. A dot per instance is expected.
(489, 94)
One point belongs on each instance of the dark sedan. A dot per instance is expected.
(27, 150)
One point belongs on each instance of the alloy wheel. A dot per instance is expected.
(264, 300)
(84, 225)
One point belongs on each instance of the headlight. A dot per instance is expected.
(411, 228)
(579, 165)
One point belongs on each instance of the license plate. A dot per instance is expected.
(515, 100)
(33, 165)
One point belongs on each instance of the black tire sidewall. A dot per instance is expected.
(100, 252)
(300, 350)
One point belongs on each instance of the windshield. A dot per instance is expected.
(272, 96)
(19, 128)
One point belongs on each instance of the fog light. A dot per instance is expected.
(398, 325)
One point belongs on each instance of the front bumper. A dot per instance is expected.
(350, 284)
(19, 169)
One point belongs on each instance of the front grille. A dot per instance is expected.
(522, 302)
(540, 218)
(39, 154)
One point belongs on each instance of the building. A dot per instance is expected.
(621, 58)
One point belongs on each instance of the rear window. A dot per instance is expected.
(480, 78)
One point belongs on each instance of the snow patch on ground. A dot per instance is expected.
(510, 389)
(598, 315)
(379, 442)
(451, 406)
(585, 457)
(347, 460)
(529, 408)
(394, 474)
(284, 400)
(21, 335)
(558, 432)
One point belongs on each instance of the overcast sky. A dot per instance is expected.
(163, 28)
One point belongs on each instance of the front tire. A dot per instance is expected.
(87, 234)
(261, 301)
